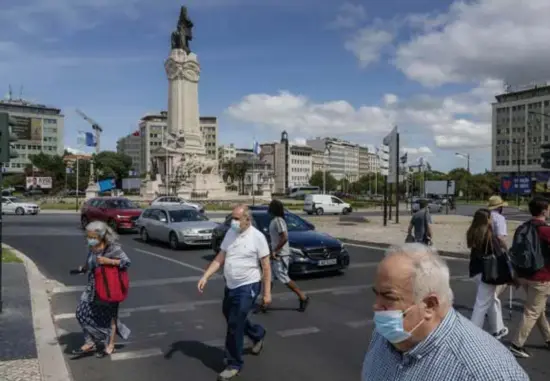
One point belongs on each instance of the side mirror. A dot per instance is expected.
(311, 226)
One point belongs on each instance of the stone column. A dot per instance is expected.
(183, 72)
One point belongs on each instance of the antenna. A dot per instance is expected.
(9, 93)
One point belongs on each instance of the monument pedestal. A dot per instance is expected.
(92, 190)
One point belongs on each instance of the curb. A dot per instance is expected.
(50, 356)
(385, 246)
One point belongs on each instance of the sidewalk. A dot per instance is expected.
(29, 349)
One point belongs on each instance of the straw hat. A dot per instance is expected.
(496, 202)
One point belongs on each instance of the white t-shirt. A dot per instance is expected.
(499, 224)
(243, 252)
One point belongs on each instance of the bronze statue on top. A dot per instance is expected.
(183, 33)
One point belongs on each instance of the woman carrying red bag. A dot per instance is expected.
(97, 313)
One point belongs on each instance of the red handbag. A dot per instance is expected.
(111, 284)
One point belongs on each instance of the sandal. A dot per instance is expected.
(104, 353)
(78, 353)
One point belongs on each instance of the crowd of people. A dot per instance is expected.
(417, 335)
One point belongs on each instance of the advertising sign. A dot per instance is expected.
(542, 183)
(39, 182)
(27, 128)
(509, 185)
(106, 185)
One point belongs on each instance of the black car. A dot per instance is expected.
(311, 251)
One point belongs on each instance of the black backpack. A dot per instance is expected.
(526, 254)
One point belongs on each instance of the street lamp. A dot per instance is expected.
(325, 159)
(467, 157)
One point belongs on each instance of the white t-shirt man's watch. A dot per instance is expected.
(243, 252)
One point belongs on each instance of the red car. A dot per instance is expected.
(120, 213)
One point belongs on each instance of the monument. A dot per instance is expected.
(180, 165)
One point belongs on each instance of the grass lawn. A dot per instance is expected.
(9, 257)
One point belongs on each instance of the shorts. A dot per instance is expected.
(279, 268)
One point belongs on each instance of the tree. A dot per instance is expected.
(112, 165)
(317, 181)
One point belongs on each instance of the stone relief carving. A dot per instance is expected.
(184, 70)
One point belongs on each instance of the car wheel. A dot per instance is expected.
(19, 211)
(144, 235)
(320, 211)
(174, 242)
(84, 222)
(345, 211)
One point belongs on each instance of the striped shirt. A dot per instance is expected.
(455, 350)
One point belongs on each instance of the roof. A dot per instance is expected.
(171, 207)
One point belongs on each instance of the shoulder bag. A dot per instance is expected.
(497, 267)
(111, 284)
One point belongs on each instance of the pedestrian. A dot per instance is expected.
(421, 223)
(536, 285)
(481, 241)
(99, 319)
(280, 251)
(244, 255)
(419, 336)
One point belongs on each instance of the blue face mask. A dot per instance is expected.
(389, 324)
(236, 226)
(92, 242)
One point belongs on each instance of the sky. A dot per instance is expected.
(346, 69)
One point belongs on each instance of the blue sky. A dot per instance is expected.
(345, 69)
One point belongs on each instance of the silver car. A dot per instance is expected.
(432, 206)
(176, 225)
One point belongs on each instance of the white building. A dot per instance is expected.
(39, 128)
(151, 130)
(131, 146)
(343, 158)
(229, 152)
(369, 162)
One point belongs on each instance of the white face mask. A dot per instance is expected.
(236, 226)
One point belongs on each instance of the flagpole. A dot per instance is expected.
(253, 173)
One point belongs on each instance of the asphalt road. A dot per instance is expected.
(177, 332)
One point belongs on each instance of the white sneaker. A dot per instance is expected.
(501, 334)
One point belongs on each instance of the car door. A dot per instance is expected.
(163, 226)
(335, 205)
(8, 207)
(155, 223)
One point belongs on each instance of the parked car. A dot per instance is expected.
(176, 201)
(311, 251)
(14, 205)
(120, 213)
(433, 207)
(325, 203)
(176, 225)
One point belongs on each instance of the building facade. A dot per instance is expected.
(153, 126)
(131, 146)
(368, 161)
(317, 161)
(342, 158)
(39, 128)
(519, 126)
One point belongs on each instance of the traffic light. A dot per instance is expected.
(545, 156)
(7, 151)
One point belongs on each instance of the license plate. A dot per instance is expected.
(327, 262)
(206, 236)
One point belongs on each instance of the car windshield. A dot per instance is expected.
(293, 222)
(186, 215)
(15, 199)
(121, 204)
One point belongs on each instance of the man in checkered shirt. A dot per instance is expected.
(419, 336)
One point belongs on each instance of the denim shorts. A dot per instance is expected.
(279, 268)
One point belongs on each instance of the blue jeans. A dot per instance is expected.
(237, 305)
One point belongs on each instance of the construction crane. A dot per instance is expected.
(95, 126)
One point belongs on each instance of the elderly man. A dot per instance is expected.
(241, 252)
(418, 335)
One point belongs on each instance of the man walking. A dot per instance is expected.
(421, 223)
(242, 251)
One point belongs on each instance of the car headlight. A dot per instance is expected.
(187, 232)
(297, 252)
(122, 217)
(343, 247)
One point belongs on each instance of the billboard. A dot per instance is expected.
(27, 128)
(542, 183)
(39, 182)
(509, 184)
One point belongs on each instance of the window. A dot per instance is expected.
(186, 215)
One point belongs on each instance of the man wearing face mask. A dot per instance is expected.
(244, 253)
(419, 336)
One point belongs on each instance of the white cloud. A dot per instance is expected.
(368, 44)
(74, 151)
(503, 39)
(454, 121)
(349, 16)
(420, 151)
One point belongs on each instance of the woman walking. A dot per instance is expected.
(280, 251)
(482, 242)
(99, 319)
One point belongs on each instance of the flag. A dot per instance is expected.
(90, 140)
(135, 133)
(81, 139)
(404, 158)
(257, 149)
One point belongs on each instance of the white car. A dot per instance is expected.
(325, 204)
(13, 205)
(174, 201)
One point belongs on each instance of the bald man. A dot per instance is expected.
(419, 336)
(244, 253)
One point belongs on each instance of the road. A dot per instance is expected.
(177, 332)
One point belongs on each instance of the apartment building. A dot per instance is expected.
(39, 128)
(153, 126)
(317, 161)
(131, 146)
(342, 158)
(368, 161)
(520, 124)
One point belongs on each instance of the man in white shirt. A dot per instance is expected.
(242, 251)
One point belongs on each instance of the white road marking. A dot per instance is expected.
(64, 316)
(361, 265)
(136, 354)
(218, 343)
(359, 323)
(449, 258)
(298, 331)
(138, 283)
(177, 309)
(347, 292)
(175, 261)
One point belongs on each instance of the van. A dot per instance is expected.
(325, 203)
